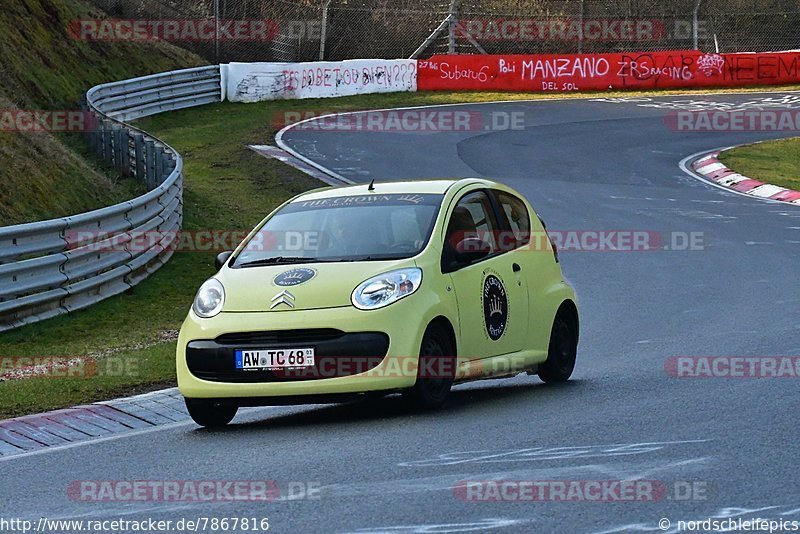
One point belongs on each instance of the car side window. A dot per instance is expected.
(517, 216)
(473, 217)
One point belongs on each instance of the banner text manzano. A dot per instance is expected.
(600, 72)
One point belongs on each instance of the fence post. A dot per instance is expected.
(324, 30)
(453, 16)
(695, 24)
(581, 16)
(216, 31)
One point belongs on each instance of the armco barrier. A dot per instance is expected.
(57, 266)
(602, 72)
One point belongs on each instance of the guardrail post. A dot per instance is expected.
(116, 131)
(168, 164)
(95, 136)
(124, 152)
(159, 165)
(150, 165)
(139, 155)
(108, 141)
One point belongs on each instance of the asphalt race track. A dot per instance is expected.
(587, 166)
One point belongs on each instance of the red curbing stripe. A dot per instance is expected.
(747, 185)
(743, 186)
(787, 196)
(706, 163)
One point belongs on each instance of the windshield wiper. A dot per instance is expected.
(277, 260)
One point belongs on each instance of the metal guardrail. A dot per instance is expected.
(52, 267)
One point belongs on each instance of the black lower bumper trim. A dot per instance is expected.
(345, 354)
(297, 400)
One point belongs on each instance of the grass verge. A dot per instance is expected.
(771, 162)
(228, 187)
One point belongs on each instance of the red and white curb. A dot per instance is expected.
(712, 169)
(91, 422)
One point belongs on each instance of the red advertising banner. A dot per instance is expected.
(601, 72)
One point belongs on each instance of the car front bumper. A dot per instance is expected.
(357, 352)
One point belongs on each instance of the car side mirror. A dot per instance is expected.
(471, 249)
(222, 259)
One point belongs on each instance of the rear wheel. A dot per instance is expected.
(436, 370)
(210, 414)
(562, 351)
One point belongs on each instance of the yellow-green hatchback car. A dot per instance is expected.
(348, 292)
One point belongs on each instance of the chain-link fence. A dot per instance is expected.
(306, 30)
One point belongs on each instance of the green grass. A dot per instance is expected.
(44, 175)
(771, 162)
(228, 187)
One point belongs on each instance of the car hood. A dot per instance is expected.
(257, 289)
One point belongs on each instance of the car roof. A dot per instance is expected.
(436, 187)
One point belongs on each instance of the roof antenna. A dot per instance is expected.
(371, 185)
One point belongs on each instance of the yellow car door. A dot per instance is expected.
(530, 249)
(489, 286)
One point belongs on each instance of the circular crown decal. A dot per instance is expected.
(295, 277)
(495, 307)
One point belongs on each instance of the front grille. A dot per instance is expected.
(280, 336)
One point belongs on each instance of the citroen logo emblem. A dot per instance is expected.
(284, 297)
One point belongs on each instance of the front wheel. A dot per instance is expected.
(436, 370)
(210, 414)
(562, 351)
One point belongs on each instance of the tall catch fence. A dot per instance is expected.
(310, 30)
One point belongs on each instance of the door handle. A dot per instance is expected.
(516, 267)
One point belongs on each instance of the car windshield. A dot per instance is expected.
(353, 228)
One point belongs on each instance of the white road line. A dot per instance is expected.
(83, 443)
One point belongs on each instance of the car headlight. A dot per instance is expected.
(209, 299)
(384, 289)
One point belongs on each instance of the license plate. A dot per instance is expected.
(267, 360)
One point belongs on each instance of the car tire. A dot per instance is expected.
(437, 353)
(562, 352)
(209, 414)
